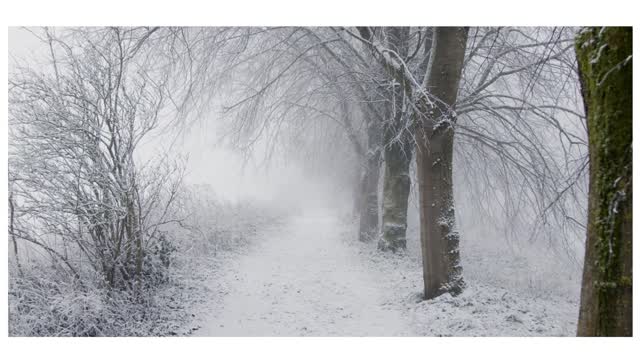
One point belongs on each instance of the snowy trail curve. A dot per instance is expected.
(302, 280)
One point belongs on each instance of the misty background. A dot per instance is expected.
(308, 167)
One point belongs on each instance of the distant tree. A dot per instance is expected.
(605, 63)
(397, 144)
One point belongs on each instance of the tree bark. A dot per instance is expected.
(434, 156)
(13, 234)
(396, 188)
(369, 196)
(605, 66)
(397, 156)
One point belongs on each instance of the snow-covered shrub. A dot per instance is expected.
(212, 224)
(43, 303)
(157, 261)
(47, 300)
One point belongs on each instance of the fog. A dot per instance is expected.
(233, 175)
(278, 160)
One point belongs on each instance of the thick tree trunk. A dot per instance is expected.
(434, 155)
(604, 58)
(397, 155)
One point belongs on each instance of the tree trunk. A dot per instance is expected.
(13, 234)
(397, 184)
(369, 196)
(605, 66)
(397, 156)
(434, 155)
(371, 175)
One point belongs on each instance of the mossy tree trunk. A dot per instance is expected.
(434, 156)
(397, 156)
(605, 65)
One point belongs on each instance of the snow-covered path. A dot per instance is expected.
(302, 279)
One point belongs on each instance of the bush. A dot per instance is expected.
(43, 303)
(48, 301)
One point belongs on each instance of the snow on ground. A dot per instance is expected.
(302, 280)
(310, 277)
(481, 310)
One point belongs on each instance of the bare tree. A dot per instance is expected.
(286, 78)
(79, 191)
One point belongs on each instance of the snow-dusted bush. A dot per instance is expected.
(44, 303)
(46, 300)
(212, 224)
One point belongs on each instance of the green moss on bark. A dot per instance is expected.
(604, 58)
